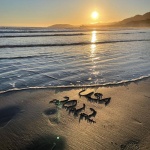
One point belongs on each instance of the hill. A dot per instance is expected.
(137, 21)
(57, 26)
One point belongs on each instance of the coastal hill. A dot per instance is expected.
(138, 20)
(57, 26)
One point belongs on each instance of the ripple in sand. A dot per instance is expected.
(7, 114)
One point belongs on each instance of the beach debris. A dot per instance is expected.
(54, 144)
(93, 114)
(77, 111)
(60, 102)
(86, 95)
(70, 105)
(86, 117)
(73, 103)
(98, 97)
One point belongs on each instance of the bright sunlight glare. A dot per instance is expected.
(95, 15)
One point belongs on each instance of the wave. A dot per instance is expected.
(50, 31)
(51, 35)
(41, 35)
(62, 30)
(46, 31)
(22, 57)
(71, 44)
(111, 84)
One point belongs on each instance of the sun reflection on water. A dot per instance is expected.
(93, 45)
(93, 48)
(93, 40)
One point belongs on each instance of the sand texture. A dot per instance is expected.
(29, 119)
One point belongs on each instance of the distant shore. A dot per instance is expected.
(29, 121)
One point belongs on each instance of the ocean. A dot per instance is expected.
(43, 57)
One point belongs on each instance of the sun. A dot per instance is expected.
(95, 15)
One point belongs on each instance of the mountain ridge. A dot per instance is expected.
(61, 26)
(137, 19)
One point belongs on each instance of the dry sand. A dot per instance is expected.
(28, 121)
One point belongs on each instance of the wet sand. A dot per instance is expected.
(29, 121)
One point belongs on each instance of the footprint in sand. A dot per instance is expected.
(130, 145)
(50, 111)
(52, 114)
(54, 120)
(136, 121)
(7, 114)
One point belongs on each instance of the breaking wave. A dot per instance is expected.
(71, 44)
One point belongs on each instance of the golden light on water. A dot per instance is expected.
(93, 45)
(93, 40)
(93, 54)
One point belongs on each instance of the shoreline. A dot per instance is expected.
(121, 83)
(29, 121)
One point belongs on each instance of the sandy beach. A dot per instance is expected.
(75, 75)
(29, 121)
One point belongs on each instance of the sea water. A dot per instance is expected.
(41, 58)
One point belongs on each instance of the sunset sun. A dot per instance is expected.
(95, 15)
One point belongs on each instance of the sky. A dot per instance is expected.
(76, 12)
